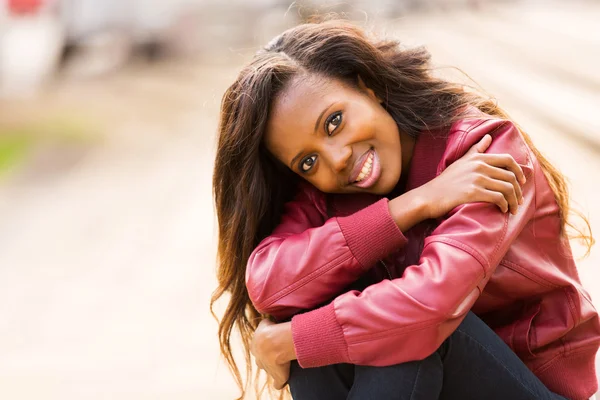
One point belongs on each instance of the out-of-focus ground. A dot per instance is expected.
(107, 234)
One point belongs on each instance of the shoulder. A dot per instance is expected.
(309, 196)
(307, 209)
(506, 138)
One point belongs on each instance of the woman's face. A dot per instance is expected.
(337, 137)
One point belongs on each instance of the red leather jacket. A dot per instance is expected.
(516, 272)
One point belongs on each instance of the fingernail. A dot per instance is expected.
(521, 201)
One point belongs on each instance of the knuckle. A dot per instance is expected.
(480, 166)
(473, 189)
(479, 179)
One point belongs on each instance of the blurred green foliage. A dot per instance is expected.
(13, 149)
(17, 141)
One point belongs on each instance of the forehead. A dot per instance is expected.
(296, 110)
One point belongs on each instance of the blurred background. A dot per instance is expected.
(108, 114)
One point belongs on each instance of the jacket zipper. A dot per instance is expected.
(386, 269)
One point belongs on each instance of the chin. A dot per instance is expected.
(386, 186)
(381, 192)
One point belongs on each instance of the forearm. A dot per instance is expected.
(299, 271)
(290, 273)
(409, 209)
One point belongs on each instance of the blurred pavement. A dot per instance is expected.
(107, 257)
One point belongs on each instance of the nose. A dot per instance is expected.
(339, 157)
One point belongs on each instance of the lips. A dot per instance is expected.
(366, 171)
(359, 166)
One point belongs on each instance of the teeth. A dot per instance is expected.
(366, 169)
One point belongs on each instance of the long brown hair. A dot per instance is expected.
(250, 187)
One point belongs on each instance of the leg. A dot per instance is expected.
(331, 382)
(414, 380)
(479, 365)
(473, 363)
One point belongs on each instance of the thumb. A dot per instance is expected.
(481, 146)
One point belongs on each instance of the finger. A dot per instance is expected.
(481, 146)
(496, 198)
(283, 384)
(279, 384)
(504, 161)
(507, 190)
(506, 176)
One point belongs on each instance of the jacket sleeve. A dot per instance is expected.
(309, 260)
(409, 318)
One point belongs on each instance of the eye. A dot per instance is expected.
(307, 164)
(332, 122)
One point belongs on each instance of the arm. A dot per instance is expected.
(307, 260)
(416, 313)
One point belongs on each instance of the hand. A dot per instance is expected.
(269, 346)
(476, 177)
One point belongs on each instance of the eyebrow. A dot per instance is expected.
(317, 123)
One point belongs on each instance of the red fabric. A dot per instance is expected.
(310, 259)
(331, 350)
(511, 270)
(376, 224)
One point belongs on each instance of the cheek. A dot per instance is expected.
(392, 155)
(368, 130)
(391, 137)
(324, 181)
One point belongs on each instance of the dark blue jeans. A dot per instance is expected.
(473, 363)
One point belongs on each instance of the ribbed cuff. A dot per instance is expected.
(371, 233)
(319, 339)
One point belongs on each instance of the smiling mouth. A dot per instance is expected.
(369, 172)
(366, 169)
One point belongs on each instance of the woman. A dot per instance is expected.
(402, 299)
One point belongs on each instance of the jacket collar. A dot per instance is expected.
(427, 154)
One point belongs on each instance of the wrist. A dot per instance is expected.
(410, 209)
(421, 198)
(283, 342)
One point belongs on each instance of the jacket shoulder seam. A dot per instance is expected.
(464, 133)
